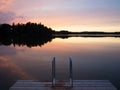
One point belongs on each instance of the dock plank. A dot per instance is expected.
(63, 85)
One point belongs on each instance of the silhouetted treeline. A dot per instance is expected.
(30, 34)
(99, 32)
(25, 29)
(33, 34)
(66, 34)
(85, 32)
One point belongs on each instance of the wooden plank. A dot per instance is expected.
(63, 85)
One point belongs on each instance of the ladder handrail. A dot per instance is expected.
(53, 72)
(71, 73)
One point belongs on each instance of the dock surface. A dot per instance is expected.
(63, 85)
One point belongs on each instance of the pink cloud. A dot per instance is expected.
(4, 4)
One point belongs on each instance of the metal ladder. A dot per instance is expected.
(54, 72)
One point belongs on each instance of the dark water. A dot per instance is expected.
(93, 58)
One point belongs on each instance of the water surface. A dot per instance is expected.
(93, 58)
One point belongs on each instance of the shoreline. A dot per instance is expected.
(86, 35)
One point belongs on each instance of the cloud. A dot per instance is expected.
(4, 4)
(7, 17)
(10, 17)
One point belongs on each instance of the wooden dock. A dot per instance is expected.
(63, 85)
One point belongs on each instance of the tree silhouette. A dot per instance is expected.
(30, 34)
(33, 34)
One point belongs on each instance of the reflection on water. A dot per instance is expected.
(93, 58)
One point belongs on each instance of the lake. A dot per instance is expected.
(92, 57)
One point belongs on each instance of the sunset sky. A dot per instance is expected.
(71, 15)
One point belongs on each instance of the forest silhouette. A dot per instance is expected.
(29, 34)
(33, 34)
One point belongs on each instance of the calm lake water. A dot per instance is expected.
(93, 58)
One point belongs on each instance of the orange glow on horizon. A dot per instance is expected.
(66, 24)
